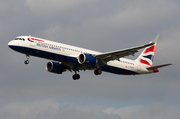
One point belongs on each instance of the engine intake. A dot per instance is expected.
(55, 67)
(87, 59)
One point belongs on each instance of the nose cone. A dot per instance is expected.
(12, 44)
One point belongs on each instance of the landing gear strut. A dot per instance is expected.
(97, 71)
(27, 61)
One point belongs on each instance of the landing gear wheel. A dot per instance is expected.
(76, 76)
(26, 62)
(97, 72)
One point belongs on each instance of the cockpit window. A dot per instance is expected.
(20, 39)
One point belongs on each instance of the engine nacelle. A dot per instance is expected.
(87, 59)
(55, 67)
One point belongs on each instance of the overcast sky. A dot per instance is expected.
(30, 92)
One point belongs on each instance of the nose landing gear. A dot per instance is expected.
(27, 61)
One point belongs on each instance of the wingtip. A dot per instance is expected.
(155, 40)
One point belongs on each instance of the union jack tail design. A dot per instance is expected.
(147, 56)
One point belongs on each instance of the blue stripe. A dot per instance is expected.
(69, 60)
(149, 57)
(44, 54)
(117, 70)
(30, 40)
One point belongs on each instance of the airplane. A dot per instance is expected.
(74, 59)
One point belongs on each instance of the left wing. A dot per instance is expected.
(115, 55)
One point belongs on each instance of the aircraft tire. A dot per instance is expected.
(26, 62)
(97, 72)
(76, 76)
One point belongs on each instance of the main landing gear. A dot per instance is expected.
(76, 76)
(27, 61)
(98, 72)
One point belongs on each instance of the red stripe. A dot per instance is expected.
(144, 62)
(36, 39)
(150, 49)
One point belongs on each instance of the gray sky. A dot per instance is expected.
(30, 92)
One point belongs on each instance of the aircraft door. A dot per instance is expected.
(32, 43)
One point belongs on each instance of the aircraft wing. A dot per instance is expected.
(115, 55)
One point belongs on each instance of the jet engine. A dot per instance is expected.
(55, 67)
(87, 59)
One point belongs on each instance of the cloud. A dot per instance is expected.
(46, 7)
(126, 112)
(170, 39)
(151, 111)
(139, 14)
(154, 111)
(88, 27)
(51, 109)
(137, 18)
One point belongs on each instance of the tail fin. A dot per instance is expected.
(147, 56)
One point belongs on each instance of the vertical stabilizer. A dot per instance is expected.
(147, 56)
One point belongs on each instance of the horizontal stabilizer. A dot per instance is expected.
(159, 66)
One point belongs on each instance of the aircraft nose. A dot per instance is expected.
(12, 43)
(9, 44)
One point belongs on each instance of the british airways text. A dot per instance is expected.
(45, 45)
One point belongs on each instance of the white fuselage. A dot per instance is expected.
(68, 54)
